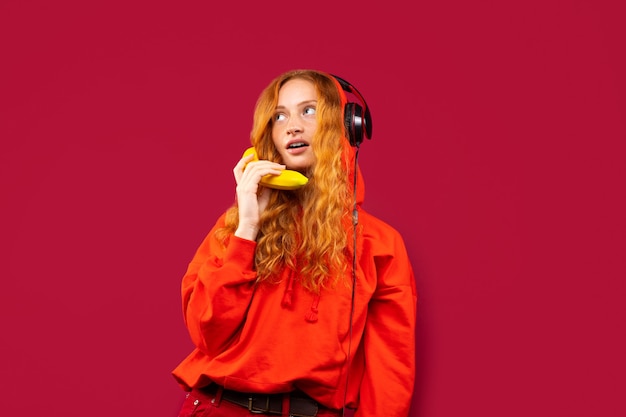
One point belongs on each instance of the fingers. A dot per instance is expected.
(249, 173)
(241, 165)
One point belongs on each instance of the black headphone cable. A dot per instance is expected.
(355, 222)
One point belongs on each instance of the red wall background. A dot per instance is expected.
(498, 151)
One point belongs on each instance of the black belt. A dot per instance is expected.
(300, 405)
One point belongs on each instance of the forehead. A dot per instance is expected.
(296, 90)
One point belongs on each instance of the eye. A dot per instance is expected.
(278, 117)
(310, 110)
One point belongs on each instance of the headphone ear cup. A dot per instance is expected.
(357, 118)
(348, 115)
(353, 119)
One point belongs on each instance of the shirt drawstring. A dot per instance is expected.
(288, 295)
(287, 302)
(311, 316)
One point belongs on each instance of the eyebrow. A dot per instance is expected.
(303, 103)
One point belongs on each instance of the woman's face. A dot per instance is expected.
(295, 123)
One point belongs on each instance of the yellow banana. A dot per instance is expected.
(287, 180)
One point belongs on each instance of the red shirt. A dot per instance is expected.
(248, 339)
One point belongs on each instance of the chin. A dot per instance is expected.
(300, 168)
(300, 165)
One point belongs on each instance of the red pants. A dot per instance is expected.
(200, 403)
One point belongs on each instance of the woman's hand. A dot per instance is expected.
(252, 198)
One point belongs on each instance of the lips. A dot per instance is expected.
(296, 144)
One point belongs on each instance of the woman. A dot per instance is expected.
(286, 316)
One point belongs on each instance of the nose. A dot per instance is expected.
(293, 126)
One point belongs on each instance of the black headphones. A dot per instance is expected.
(357, 118)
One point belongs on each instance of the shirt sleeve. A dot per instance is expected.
(216, 291)
(389, 338)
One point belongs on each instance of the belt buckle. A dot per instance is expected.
(259, 410)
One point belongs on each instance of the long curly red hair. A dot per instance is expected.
(304, 229)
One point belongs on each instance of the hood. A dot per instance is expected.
(349, 155)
